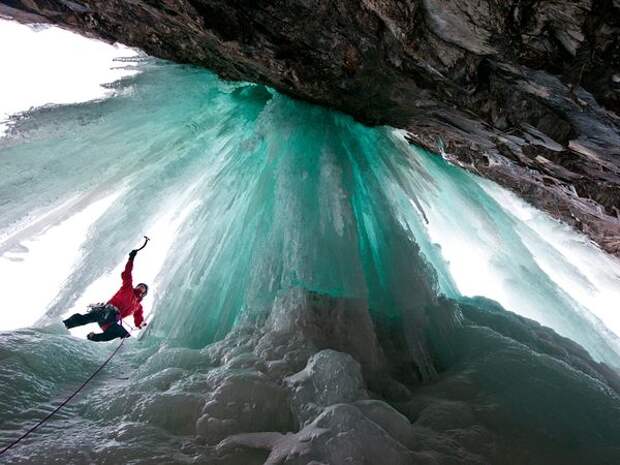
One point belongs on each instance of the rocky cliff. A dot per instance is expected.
(523, 92)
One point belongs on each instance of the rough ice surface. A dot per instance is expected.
(321, 293)
(330, 378)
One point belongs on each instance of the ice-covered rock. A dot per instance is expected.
(244, 400)
(342, 434)
(338, 323)
(330, 378)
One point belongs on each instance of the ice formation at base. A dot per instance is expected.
(317, 381)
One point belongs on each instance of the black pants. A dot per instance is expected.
(106, 314)
(112, 332)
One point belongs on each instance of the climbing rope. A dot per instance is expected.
(65, 402)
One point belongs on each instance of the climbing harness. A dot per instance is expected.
(65, 402)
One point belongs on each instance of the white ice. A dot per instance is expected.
(49, 65)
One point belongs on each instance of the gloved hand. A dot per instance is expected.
(133, 254)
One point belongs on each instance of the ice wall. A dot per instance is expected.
(246, 206)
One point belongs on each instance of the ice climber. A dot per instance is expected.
(125, 302)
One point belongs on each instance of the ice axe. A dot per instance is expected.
(134, 252)
(146, 241)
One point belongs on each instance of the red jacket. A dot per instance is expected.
(125, 299)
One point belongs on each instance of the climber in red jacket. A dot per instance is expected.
(109, 315)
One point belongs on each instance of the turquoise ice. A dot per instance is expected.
(267, 194)
(255, 202)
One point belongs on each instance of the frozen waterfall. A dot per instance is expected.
(321, 291)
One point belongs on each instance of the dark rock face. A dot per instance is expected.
(523, 92)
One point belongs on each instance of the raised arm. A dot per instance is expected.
(126, 274)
